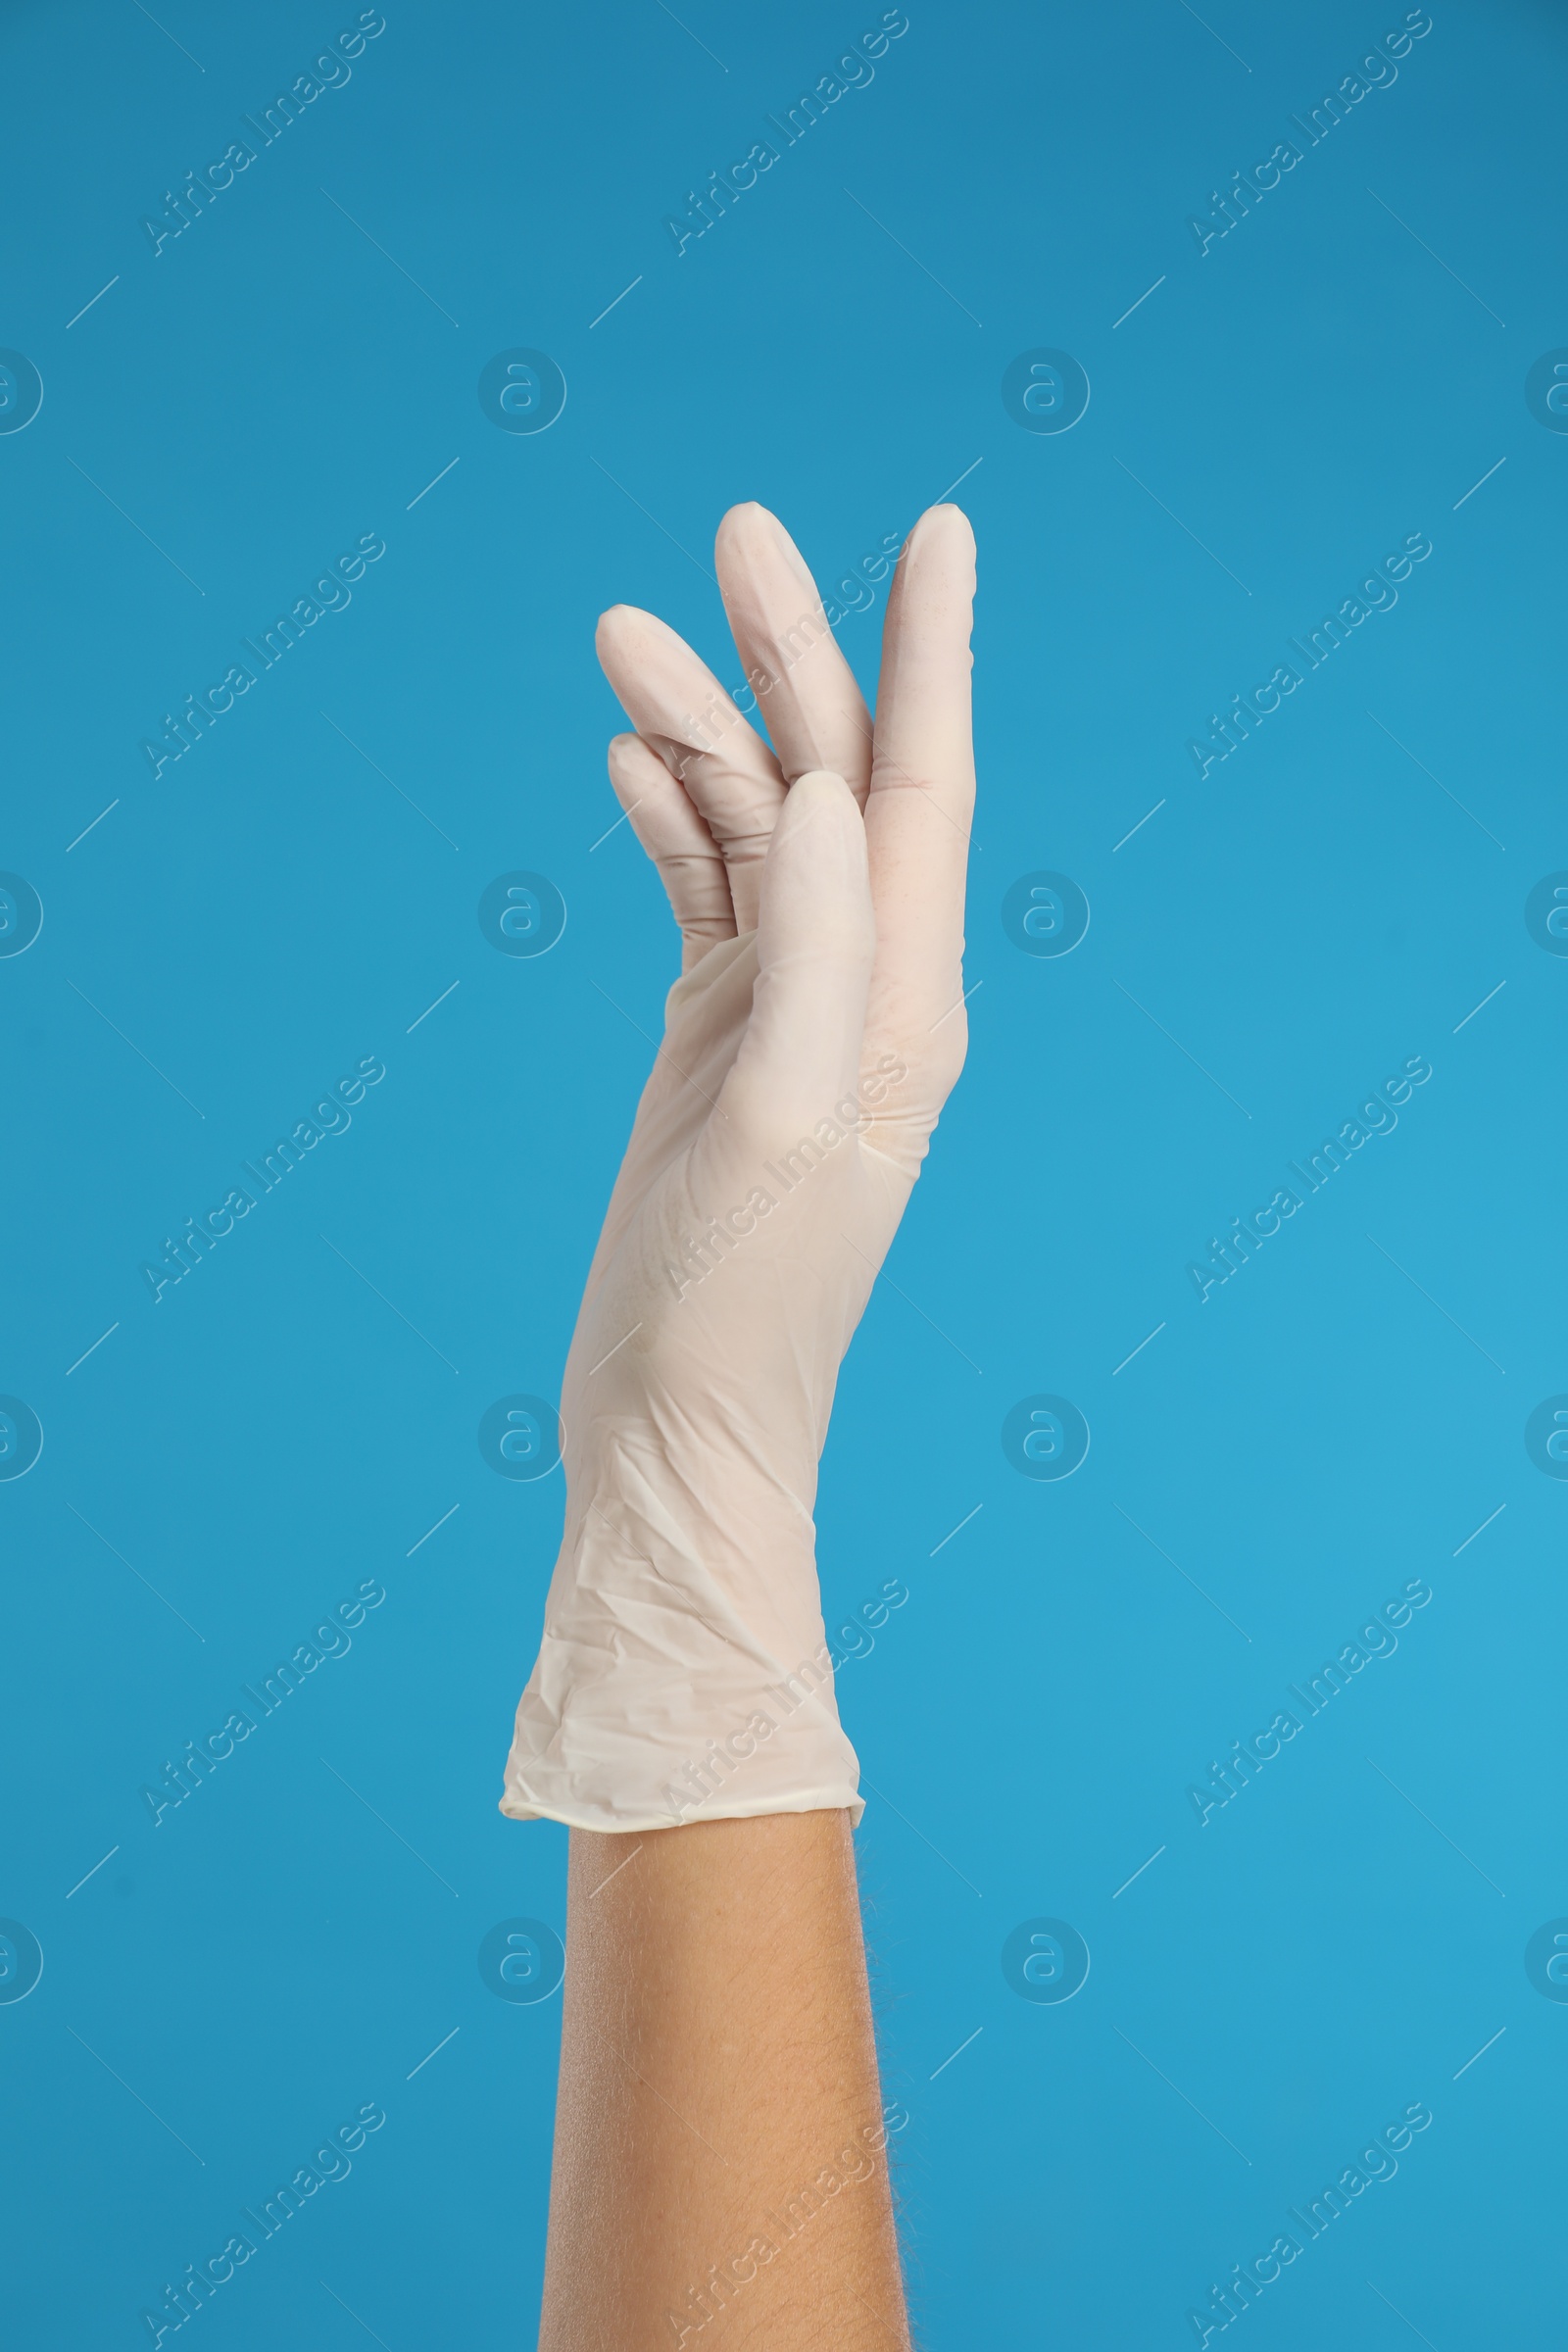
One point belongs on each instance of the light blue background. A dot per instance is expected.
(1280, 1982)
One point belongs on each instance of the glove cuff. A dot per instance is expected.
(658, 1698)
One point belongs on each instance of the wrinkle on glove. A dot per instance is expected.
(654, 1700)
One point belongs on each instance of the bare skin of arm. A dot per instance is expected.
(720, 2170)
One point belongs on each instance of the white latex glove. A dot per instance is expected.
(809, 1048)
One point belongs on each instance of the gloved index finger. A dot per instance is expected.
(806, 690)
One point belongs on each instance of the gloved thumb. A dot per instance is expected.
(800, 1059)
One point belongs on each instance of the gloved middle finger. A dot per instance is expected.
(805, 688)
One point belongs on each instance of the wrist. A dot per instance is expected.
(666, 1693)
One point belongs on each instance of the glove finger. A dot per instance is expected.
(801, 1054)
(921, 802)
(676, 703)
(806, 690)
(690, 864)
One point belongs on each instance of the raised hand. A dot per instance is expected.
(809, 1046)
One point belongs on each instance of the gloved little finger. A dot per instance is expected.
(676, 703)
(690, 864)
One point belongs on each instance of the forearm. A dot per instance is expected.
(721, 2174)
